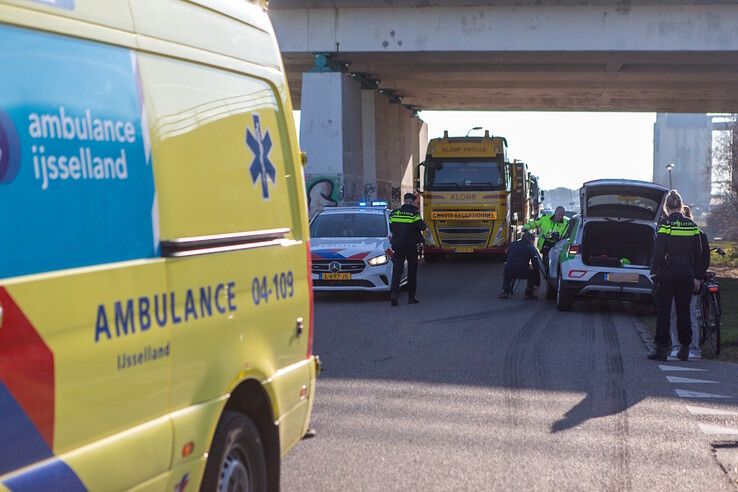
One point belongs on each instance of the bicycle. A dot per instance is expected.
(709, 309)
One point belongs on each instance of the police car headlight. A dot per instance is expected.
(379, 260)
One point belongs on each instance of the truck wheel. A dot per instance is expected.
(564, 299)
(236, 461)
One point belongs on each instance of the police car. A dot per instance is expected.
(350, 248)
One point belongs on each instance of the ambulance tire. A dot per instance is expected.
(236, 460)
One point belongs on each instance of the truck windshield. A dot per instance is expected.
(464, 176)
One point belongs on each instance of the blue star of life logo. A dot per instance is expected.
(261, 168)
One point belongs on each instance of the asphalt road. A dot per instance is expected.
(467, 391)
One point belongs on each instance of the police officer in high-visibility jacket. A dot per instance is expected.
(548, 224)
(677, 257)
(406, 227)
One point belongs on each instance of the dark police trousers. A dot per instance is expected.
(533, 277)
(676, 282)
(398, 265)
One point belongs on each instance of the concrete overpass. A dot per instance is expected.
(590, 55)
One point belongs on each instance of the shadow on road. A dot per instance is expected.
(461, 334)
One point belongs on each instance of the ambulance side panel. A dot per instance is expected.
(84, 365)
(226, 163)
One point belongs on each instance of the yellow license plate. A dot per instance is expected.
(630, 278)
(336, 276)
(465, 215)
(464, 250)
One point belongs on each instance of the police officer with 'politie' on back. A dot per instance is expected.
(406, 227)
(677, 257)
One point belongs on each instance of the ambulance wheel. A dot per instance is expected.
(236, 461)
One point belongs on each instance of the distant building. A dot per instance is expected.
(685, 140)
(569, 199)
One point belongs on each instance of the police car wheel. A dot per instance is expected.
(564, 299)
(550, 292)
(236, 461)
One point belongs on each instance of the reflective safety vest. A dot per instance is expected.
(406, 226)
(546, 226)
(678, 240)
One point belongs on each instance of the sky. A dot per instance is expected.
(562, 148)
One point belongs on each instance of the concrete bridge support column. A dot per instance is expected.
(331, 135)
(401, 141)
(362, 145)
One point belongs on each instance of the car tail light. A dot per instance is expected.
(577, 273)
(713, 289)
(310, 290)
(575, 249)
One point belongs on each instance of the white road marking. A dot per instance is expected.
(716, 429)
(696, 394)
(708, 411)
(679, 379)
(679, 368)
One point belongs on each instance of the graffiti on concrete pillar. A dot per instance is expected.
(323, 191)
(351, 189)
(369, 191)
(396, 195)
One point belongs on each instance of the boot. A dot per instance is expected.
(504, 295)
(412, 300)
(683, 353)
(529, 296)
(659, 353)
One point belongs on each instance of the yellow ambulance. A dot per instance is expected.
(155, 297)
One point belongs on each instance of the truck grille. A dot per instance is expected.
(464, 236)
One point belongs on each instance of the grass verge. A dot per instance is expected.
(730, 260)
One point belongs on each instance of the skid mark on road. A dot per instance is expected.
(491, 314)
(617, 402)
(513, 371)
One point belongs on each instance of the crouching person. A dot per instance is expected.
(522, 263)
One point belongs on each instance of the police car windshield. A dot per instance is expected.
(349, 225)
(461, 175)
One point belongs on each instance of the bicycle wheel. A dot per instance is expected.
(713, 324)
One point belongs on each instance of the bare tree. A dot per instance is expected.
(722, 221)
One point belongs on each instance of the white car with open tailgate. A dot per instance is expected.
(606, 251)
